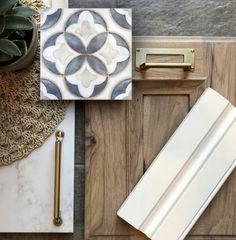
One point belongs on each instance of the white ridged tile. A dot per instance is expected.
(187, 173)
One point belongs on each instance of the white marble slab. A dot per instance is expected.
(27, 186)
(57, 3)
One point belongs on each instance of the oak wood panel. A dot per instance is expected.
(124, 137)
(116, 149)
(134, 139)
(221, 214)
(160, 121)
(105, 164)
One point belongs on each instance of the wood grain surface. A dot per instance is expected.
(122, 138)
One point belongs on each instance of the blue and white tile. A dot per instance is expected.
(50, 18)
(86, 24)
(122, 17)
(115, 53)
(122, 91)
(49, 91)
(86, 53)
(57, 54)
(86, 82)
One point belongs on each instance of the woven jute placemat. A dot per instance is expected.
(25, 121)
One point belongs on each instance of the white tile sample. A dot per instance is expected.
(27, 186)
(86, 54)
(187, 173)
(48, 3)
(60, 3)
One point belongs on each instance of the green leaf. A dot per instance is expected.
(18, 22)
(23, 11)
(21, 44)
(9, 47)
(5, 5)
(6, 33)
(5, 57)
(2, 23)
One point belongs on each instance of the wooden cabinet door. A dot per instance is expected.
(123, 137)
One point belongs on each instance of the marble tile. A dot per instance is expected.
(27, 186)
(78, 217)
(86, 54)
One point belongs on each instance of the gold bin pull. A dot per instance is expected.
(187, 53)
(57, 220)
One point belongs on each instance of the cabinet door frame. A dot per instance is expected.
(115, 158)
(135, 165)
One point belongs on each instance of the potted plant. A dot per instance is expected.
(18, 35)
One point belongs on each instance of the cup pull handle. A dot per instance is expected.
(188, 63)
(57, 220)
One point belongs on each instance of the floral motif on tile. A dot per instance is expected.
(86, 53)
(49, 90)
(123, 90)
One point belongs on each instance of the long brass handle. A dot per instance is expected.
(187, 53)
(57, 220)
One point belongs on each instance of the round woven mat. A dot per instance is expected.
(25, 122)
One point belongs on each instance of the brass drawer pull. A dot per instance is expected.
(187, 53)
(57, 220)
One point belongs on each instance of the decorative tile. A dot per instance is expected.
(49, 90)
(122, 90)
(86, 54)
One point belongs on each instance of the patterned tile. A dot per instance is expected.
(86, 54)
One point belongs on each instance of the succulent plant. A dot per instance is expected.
(15, 21)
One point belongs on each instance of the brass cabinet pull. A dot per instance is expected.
(57, 220)
(187, 53)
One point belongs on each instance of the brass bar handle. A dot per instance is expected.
(57, 220)
(145, 66)
(188, 54)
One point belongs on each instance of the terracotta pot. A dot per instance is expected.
(27, 59)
